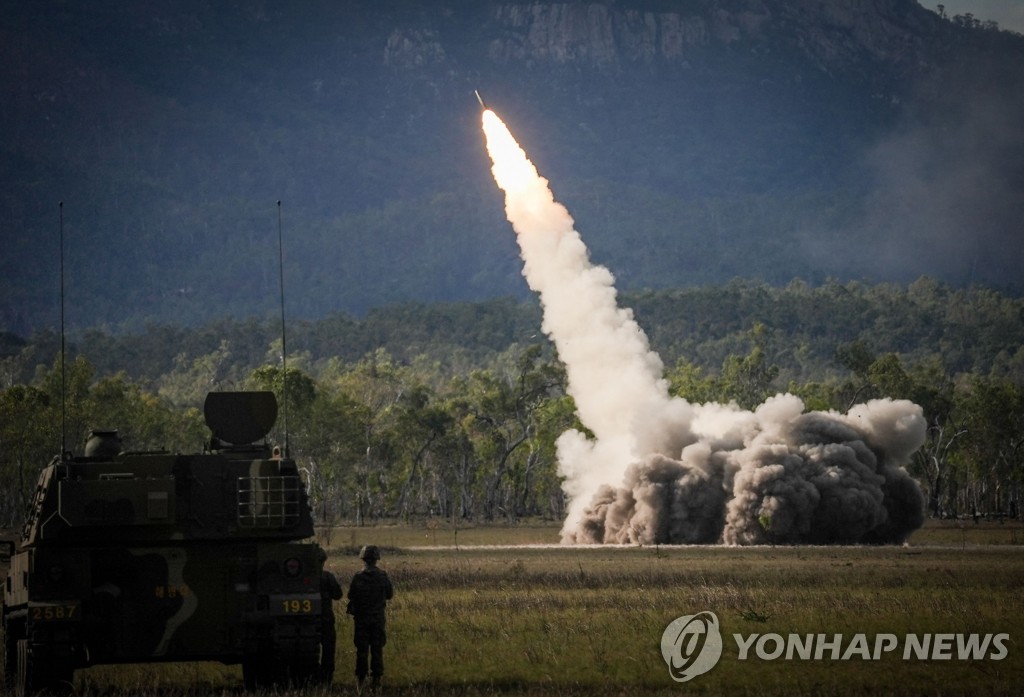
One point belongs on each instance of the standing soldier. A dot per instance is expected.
(330, 591)
(368, 595)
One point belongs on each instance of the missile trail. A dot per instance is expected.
(662, 470)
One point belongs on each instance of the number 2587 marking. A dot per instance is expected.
(55, 612)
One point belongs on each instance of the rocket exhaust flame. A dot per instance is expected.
(662, 470)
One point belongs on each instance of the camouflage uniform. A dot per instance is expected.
(367, 597)
(330, 591)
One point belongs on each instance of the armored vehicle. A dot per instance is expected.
(132, 557)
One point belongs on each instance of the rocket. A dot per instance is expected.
(480, 99)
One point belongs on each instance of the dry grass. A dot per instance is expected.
(547, 621)
(595, 616)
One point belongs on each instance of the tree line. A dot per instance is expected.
(452, 411)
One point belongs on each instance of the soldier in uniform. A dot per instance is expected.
(367, 597)
(330, 591)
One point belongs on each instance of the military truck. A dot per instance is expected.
(138, 557)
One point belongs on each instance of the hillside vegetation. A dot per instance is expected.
(452, 411)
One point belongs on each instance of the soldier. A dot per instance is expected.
(330, 591)
(367, 597)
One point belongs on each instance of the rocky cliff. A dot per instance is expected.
(833, 35)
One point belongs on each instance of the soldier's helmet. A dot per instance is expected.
(369, 553)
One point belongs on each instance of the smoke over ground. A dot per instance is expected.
(662, 470)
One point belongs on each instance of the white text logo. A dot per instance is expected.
(934, 647)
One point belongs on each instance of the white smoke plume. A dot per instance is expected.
(662, 470)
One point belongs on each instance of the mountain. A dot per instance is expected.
(694, 141)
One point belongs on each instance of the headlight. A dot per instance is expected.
(293, 567)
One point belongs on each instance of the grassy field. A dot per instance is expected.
(473, 618)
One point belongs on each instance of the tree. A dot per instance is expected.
(26, 445)
(420, 424)
(377, 384)
(295, 393)
(928, 386)
(992, 448)
(330, 448)
(143, 420)
(688, 381)
(502, 418)
(540, 488)
(68, 393)
(748, 380)
(189, 381)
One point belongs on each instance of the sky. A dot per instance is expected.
(1009, 14)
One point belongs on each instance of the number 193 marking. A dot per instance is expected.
(297, 607)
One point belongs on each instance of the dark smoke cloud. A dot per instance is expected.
(660, 500)
(818, 478)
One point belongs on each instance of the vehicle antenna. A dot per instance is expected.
(284, 344)
(63, 379)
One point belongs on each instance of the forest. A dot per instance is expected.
(451, 411)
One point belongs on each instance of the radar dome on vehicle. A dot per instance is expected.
(240, 418)
(103, 444)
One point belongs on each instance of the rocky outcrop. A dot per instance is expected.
(832, 36)
(414, 47)
(606, 34)
(836, 35)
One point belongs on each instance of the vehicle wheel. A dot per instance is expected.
(61, 680)
(34, 677)
(23, 684)
(249, 681)
(253, 674)
(10, 659)
(259, 671)
(303, 672)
